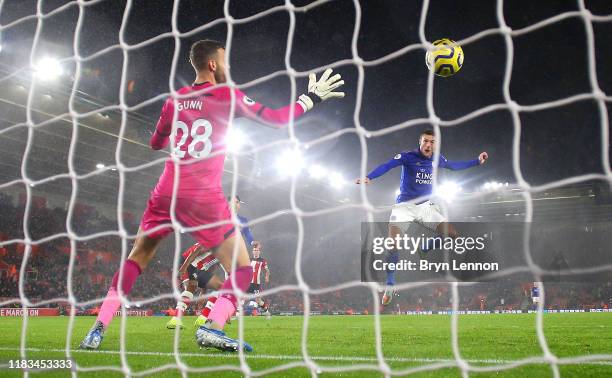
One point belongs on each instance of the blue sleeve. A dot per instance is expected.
(385, 167)
(246, 231)
(457, 165)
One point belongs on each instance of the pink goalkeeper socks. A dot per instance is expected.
(223, 310)
(131, 271)
(226, 303)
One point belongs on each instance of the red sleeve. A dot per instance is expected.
(190, 250)
(160, 139)
(277, 118)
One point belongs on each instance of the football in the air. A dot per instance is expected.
(446, 58)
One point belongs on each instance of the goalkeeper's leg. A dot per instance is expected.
(210, 303)
(140, 256)
(211, 334)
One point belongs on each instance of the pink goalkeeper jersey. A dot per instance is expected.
(199, 131)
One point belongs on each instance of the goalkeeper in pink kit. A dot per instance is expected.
(197, 120)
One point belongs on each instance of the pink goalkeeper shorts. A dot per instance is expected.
(190, 212)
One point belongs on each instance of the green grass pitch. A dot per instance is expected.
(409, 342)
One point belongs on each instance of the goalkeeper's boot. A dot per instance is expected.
(208, 337)
(200, 321)
(174, 323)
(94, 337)
(388, 295)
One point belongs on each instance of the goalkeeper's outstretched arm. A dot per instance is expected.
(318, 91)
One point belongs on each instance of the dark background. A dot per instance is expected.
(549, 63)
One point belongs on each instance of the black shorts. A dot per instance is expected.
(202, 276)
(253, 288)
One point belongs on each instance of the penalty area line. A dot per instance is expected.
(291, 357)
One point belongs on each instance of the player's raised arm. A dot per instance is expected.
(318, 91)
(459, 165)
(397, 160)
(244, 228)
(192, 256)
(248, 235)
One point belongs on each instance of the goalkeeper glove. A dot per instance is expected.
(321, 90)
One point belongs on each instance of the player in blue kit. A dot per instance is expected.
(246, 230)
(413, 204)
(535, 294)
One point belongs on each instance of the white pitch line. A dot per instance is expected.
(289, 357)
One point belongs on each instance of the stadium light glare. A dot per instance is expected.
(336, 180)
(492, 185)
(48, 69)
(448, 190)
(100, 166)
(290, 162)
(234, 140)
(317, 172)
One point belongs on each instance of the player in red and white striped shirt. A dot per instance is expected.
(196, 271)
(259, 265)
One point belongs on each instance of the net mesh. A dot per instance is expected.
(380, 363)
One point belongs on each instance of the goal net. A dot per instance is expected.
(82, 86)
